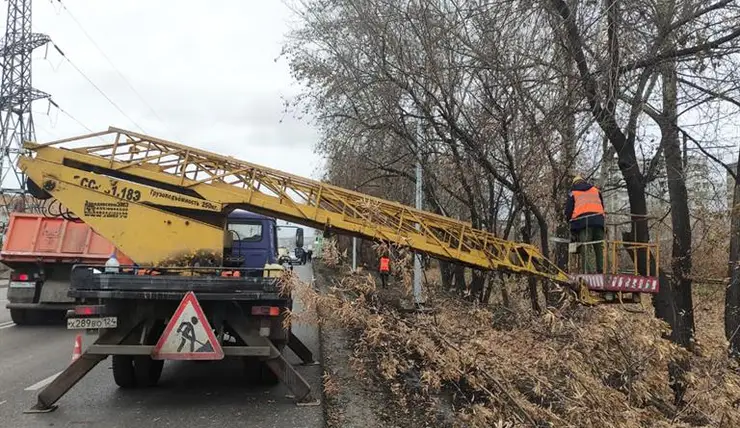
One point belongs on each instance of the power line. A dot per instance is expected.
(69, 115)
(59, 108)
(98, 88)
(110, 62)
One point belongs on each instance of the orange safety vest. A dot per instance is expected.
(586, 202)
(385, 264)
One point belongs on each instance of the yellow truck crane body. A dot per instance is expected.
(179, 196)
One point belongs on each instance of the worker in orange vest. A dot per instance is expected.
(585, 211)
(385, 269)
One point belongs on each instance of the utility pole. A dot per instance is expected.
(16, 96)
(354, 254)
(418, 300)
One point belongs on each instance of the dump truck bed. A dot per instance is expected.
(34, 238)
(41, 251)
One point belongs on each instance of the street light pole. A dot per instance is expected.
(417, 257)
(354, 254)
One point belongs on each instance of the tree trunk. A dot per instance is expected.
(505, 297)
(460, 278)
(561, 249)
(567, 164)
(445, 271)
(732, 293)
(531, 281)
(679, 291)
(476, 285)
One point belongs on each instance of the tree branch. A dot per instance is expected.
(710, 92)
(677, 54)
(658, 118)
(712, 7)
(707, 154)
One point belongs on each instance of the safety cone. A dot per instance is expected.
(77, 351)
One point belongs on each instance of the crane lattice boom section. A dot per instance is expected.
(225, 182)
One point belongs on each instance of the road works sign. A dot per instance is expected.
(188, 335)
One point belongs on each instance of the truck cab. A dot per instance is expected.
(251, 240)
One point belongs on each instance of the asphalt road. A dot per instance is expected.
(189, 394)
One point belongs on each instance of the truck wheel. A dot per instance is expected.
(258, 372)
(251, 369)
(123, 371)
(147, 370)
(18, 316)
(267, 376)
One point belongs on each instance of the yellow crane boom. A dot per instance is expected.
(155, 199)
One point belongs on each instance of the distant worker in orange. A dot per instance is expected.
(384, 269)
(585, 211)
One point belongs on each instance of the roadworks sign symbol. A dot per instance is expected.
(188, 336)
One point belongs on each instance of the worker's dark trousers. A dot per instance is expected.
(384, 279)
(590, 234)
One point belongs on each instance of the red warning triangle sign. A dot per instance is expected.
(188, 335)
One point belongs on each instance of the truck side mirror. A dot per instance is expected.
(299, 237)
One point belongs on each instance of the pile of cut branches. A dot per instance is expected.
(584, 367)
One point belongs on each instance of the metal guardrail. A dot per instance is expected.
(613, 252)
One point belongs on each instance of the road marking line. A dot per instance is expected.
(42, 383)
(7, 325)
(3, 402)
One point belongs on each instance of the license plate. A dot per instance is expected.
(91, 323)
(22, 284)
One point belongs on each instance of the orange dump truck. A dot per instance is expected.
(40, 251)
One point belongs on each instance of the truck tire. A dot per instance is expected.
(19, 316)
(123, 371)
(257, 371)
(267, 376)
(251, 369)
(147, 370)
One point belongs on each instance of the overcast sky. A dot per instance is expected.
(207, 69)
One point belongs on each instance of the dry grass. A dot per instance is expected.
(330, 254)
(330, 385)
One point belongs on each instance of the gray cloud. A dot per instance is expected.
(209, 74)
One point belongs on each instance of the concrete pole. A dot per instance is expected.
(354, 254)
(417, 259)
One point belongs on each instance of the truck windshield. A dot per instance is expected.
(246, 231)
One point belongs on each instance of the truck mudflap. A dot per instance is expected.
(135, 320)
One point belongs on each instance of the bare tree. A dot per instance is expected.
(667, 48)
(377, 69)
(732, 294)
